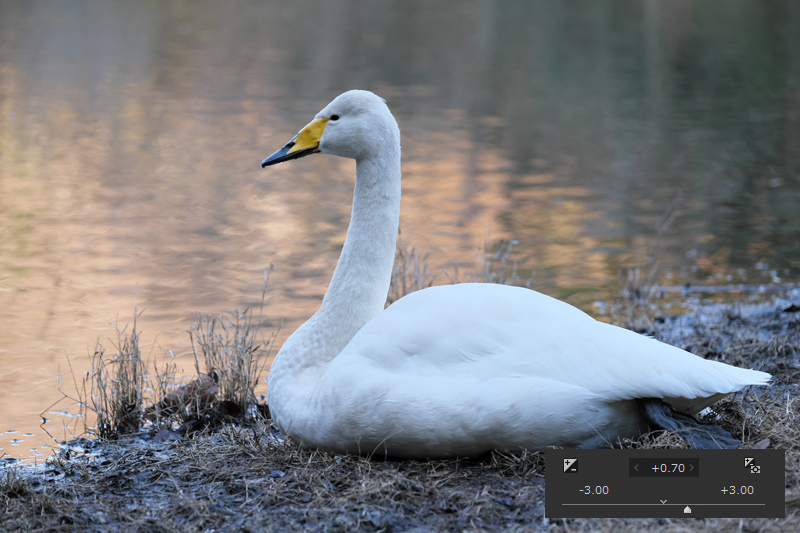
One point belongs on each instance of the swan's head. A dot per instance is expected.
(357, 125)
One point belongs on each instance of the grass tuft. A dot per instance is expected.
(233, 353)
(633, 308)
(410, 272)
(119, 384)
(112, 393)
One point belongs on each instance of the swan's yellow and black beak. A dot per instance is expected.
(304, 143)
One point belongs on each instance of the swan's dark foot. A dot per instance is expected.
(659, 415)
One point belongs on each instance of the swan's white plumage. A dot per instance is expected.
(458, 369)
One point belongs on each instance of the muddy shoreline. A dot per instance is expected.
(248, 478)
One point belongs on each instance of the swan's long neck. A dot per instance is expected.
(360, 283)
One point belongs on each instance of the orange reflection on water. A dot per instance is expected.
(130, 143)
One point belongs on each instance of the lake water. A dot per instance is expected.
(599, 135)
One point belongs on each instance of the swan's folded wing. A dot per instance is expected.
(491, 331)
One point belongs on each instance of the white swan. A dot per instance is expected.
(456, 370)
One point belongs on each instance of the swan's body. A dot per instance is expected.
(458, 369)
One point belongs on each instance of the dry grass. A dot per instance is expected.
(119, 396)
(409, 273)
(633, 308)
(233, 352)
(495, 264)
(112, 393)
(247, 477)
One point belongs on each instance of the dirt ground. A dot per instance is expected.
(248, 478)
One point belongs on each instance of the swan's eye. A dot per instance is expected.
(334, 117)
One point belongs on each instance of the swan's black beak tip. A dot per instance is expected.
(286, 154)
(278, 157)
